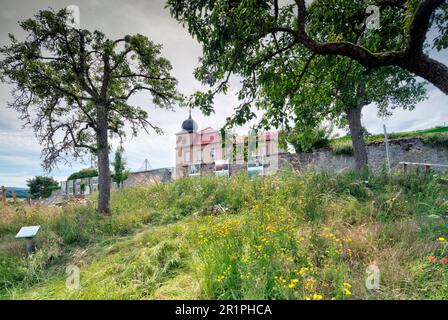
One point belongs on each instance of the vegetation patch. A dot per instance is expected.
(310, 236)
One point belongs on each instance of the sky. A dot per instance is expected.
(20, 150)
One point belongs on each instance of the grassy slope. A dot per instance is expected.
(436, 136)
(394, 135)
(291, 237)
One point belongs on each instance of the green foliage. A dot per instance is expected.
(306, 139)
(79, 78)
(345, 148)
(257, 42)
(396, 135)
(120, 173)
(437, 139)
(286, 236)
(72, 87)
(41, 187)
(84, 173)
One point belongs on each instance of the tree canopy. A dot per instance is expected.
(239, 35)
(276, 49)
(72, 86)
(41, 187)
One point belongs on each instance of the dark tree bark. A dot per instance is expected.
(354, 114)
(356, 131)
(103, 161)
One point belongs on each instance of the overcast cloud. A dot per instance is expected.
(20, 151)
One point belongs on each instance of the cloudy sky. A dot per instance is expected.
(20, 151)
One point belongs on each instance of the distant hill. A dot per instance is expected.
(20, 192)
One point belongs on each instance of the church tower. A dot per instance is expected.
(185, 145)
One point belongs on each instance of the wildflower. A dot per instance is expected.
(346, 291)
(317, 296)
(431, 258)
(444, 260)
(291, 285)
(346, 284)
(441, 239)
(303, 270)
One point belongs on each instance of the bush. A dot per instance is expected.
(437, 139)
(41, 187)
(345, 148)
(308, 138)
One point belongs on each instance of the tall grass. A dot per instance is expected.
(282, 237)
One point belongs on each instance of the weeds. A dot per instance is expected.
(283, 237)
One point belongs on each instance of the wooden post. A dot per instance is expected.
(13, 194)
(74, 188)
(405, 168)
(427, 169)
(4, 196)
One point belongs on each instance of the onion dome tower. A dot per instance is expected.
(189, 125)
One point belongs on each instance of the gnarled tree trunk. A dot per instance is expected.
(356, 131)
(103, 161)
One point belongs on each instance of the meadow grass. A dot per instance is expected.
(288, 236)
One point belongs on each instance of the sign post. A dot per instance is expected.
(28, 233)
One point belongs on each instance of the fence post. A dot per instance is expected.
(405, 168)
(13, 194)
(4, 196)
(427, 169)
(386, 143)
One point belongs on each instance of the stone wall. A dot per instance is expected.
(404, 149)
(148, 177)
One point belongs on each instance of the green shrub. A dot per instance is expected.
(305, 139)
(84, 173)
(438, 139)
(342, 148)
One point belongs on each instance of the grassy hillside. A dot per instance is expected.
(396, 135)
(282, 237)
(436, 136)
(19, 192)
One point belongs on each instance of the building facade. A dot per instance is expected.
(198, 151)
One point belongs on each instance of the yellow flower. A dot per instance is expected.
(303, 270)
(346, 291)
(317, 296)
(441, 239)
(346, 284)
(291, 285)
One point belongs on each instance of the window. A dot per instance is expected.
(187, 156)
(213, 154)
(199, 155)
(194, 169)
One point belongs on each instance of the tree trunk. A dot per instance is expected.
(103, 162)
(356, 131)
